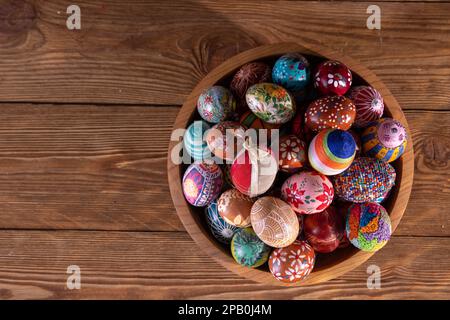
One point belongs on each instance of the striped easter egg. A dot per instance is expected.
(332, 151)
(220, 229)
(194, 142)
(369, 105)
(384, 139)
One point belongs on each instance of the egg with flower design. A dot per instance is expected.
(333, 77)
(291, 71)
(334, 112)
(292, 153)
(216, 104)
(248, 250)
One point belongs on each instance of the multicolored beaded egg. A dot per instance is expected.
(248, 250)
(335, 112)
(270, 102)
(384, 139)
(220, 229)
(248, 75)
(333, 77)
(366, 180)
(291, 71)
(292, 153)
(202, 183)
(225, 139)
(274, 222)
(369, 105)
(216, 104)
(308, 192)
(331, 151)
(194, 142)
(368, 226)
(235, 207)
(292, 263)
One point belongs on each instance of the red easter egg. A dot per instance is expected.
(332, 77)
(324, 230)
(292, 153)
(335, 112)
(292, 263)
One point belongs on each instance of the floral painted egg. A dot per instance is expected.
(308, 192)
(202, 183)
(324, 230)
(225, 139)
(366, 180)
(292, 153)
(291, 71)
(194, 142)
(369, 105)
(384, 139)
(271, 103)
(251, 121)
(248, 250)
(293, 263)
(254, 170)
(332, 77)
(216, 104)
(368, 226)
(220, 229)
(335, 112)
(235, 207)
(248, 75)
(331, 151)
(274, 222)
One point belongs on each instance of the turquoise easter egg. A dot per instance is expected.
(194, 142)
(220, 229)
(216, 104)
(291, 71)
(248, 250)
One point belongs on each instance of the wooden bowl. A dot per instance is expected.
(327, 266)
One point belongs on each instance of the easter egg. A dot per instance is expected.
(292, 263)
(216, 104)
(235, 207)
(254, 170)
(292, 153)
(324, 230)
(248, 250)
(369, 105)
(331, 151)
(332, 77)
(251, 121)
(274, 222)
(291, 71)
(220, 229)
(384, 139)
(194, 142)
(368, 226)
(308, 192)
(248, 75)
(225, 139)
(366, 180)
(335, 112)
(202, 183)
(270, 102)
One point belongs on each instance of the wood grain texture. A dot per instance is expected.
(154, 52)
(104, 168)
(168, 265)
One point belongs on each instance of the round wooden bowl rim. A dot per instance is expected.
(206, 242)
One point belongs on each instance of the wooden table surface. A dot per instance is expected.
(86, 117)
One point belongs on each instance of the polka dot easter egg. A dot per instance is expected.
(194, 142)
(292, 263)
(308, 192)
(271, 103)
(216, 104)
(225, 139)
(332, 151)
(292, 153)
(384, 139)
(202, 183)
(366, 180)
(220, 229)
(248, 250)
(235, 207)
(335, 112)
(333, 78)
(368, 226)
(291, 71)
(369, 105)
(248, 75)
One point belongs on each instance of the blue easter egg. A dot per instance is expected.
(216, 104)
(220, 229)
(194, 142)
(291, 71)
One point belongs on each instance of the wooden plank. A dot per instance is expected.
(104, 168)
(169, 265)
(154, 52)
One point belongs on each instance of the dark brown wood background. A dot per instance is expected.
(85, 121)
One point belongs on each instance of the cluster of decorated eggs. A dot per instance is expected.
(320, 191)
